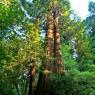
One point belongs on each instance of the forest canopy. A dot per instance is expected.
(46, 48)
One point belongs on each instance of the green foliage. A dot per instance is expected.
(73, 82)
(22, 40)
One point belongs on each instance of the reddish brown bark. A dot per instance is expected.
(49, 43)
(57, 43)
(42, 84)
(53, 52)
(31, 79)
(44, 75)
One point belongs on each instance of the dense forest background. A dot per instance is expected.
(23, 31)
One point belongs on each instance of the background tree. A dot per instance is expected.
(23, 26)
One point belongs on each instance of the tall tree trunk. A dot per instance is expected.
(50, 43)
(48, 66)
(31, 79)
(53, 52)
(57, 43)
(42, 84)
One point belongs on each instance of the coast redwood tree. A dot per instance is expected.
(57, 43)
(53, 55)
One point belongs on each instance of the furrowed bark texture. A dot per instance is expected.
(57, 43)
(53, 51)
(44, 75)
(50, 43)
